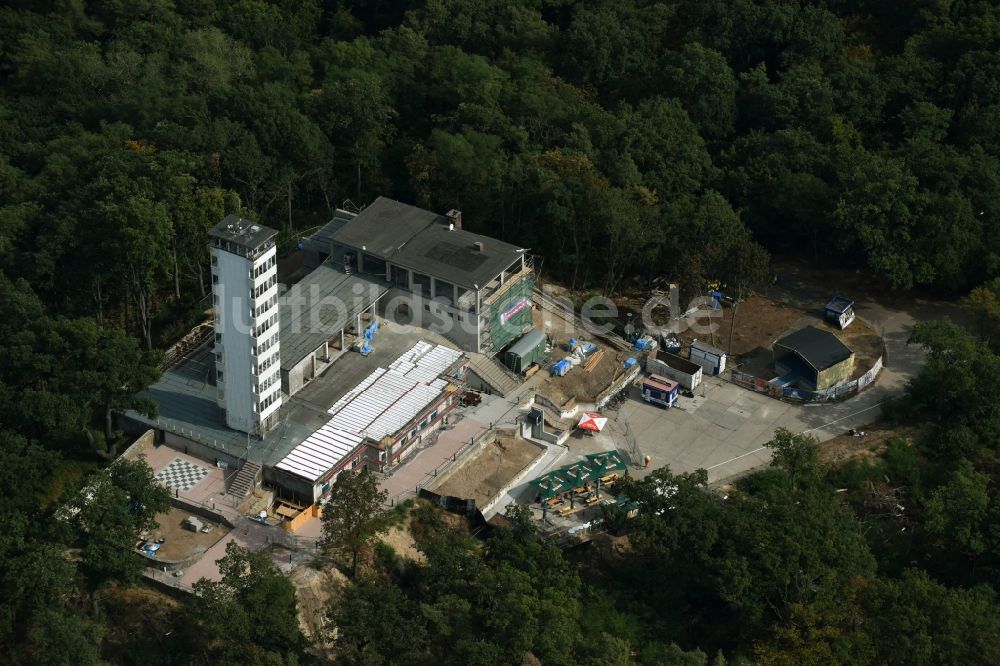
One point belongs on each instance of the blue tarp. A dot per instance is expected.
(561, 368)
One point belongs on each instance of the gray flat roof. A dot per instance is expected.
(187, 406)
(421, 241)
(384, 226)
(701, 346)
(322, 239)
(820, 349)
(453, 256)
(235, 229)
(187, 401)
(319, 307)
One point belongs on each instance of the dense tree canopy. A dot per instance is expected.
(621, 142)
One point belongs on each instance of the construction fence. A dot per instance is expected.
(839, 392)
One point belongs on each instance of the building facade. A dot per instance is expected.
(245, 298)
(476, 290)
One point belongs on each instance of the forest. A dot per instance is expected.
(622, 141)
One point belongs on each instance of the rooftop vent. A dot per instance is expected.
(455, 217)
(478, 246)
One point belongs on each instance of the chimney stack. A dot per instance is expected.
(455, 216)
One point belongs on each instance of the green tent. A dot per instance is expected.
(551, 484)
(604, 463)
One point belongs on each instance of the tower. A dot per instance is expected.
(245, 296)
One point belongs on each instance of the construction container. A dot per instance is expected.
(660, 391)
(525, 351)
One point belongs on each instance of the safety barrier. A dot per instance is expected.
(838, 392)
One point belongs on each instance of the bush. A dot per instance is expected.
(854, 474)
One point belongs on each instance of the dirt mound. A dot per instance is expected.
(402, 542)
(315, 590)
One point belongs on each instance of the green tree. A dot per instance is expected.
(365, 623)
(251, 614)
(353, 515)
(797, 455)
(960, 511)
(112, 509)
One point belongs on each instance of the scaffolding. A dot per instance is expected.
(506, 315)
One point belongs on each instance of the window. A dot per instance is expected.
(215, 279)
(218, 375)
(218, 337)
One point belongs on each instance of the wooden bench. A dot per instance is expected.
(565, 511)
(609, 478)
(553, 501)
(593, 500)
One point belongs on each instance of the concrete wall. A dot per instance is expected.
(199, 450)
(143, 443)
(836, 374)
(293, 379)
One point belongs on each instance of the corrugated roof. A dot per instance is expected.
(389, 398)
(320, 306)
(320, 452)
(820, 349)
(382, 404)
(701, 346)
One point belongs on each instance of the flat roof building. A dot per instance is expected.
(474, 289)
(321, 316)
(377, 422)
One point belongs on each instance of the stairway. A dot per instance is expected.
(245, 481)
(499, 378)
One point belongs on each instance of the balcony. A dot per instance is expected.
(495, 289)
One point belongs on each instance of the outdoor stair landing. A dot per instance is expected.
(245, 481)
(491, 371)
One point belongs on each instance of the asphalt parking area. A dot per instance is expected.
(722, 423)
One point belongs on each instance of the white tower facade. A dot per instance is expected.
(247, 352)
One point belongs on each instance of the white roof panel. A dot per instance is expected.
(382, 404)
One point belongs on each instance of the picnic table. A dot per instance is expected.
(554, 501)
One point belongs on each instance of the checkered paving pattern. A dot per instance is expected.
(181, 474)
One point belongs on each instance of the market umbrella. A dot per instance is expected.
(604, 462)
(592, 421)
